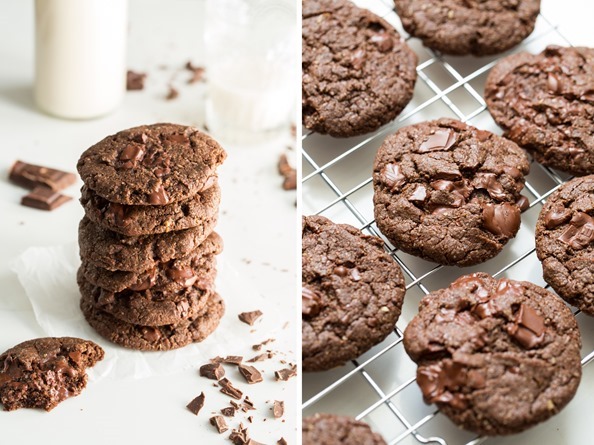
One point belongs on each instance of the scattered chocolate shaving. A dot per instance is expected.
(43, 198)
(31, 176)
(228, 389)
(213, 371)
(228, 411)
(250, 419)
(286, 374)
(259, 346)
(239, 436)
(278, 409)
(247, 404)
(281, 441)
(250, 374)
(196, 405)
(261, 357)
(219, 423)
(197, 72)
(233, 359)
(217, 359)
(235, 405)
(250, 317)
(134, 80)
(288, 172)
(172, 93)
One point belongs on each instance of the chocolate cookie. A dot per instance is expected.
(469, 27)
(196, 269)
(43, 372)
(352, 293)
(358, 73)
(151, 165)
(155, 338)
(329, 429)
(448, 192)
(146, 220)
(496, 356)
(564, 242)
(545, 103)
(116, 252)
(147, 307)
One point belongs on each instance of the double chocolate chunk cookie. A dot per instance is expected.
(496, 356)
(478, 27)
(545, 103)
(151, 164)
(448, 192)
(352, 293)
(565, 242)
(358, 73)
(43, 372)
(330, 429)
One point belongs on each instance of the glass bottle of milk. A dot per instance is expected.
(80, 56)
(251, 55)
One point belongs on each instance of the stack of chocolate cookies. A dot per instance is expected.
(147, 239)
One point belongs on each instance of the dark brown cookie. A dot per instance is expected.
(43, 372)
(196, 269)
(147, 220)
(116, 252)
(496, 356)
(545, 103)
(147, 307)
(330, 429)
(469, 27)
(358, 73)
(564, 242)
(448, 192)
(160, 338)
(151, 165)
(352, 293)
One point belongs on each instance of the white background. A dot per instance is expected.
(257, 222)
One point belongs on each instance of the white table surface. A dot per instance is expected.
(258, 224)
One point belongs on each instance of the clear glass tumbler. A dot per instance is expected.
(251, 58)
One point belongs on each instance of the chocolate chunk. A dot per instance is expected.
(289, 173)
(553, 83)
(228, 412)
(261, 357)
(251, 374)
(529, 327)
(228, 389)
(491, 184)
(278, 409)
(247, 404)
(213, 371)
(186, 275)
(580, 232)
(31, 176)
(523, 203)
(392, 176)
(150, 334)
(441, 140)
(196, 405)
(135, 81)
(250, 317)
(556, 216)
(197, 72)
(358, 59)
(501, 219)
(281, 441)
(233, 359)
(130, 156)
(383, 41)
(172, 93)
(44, 198)
(260, 345)
(286, 374)
(311, 301)
(436, 380)
(458, 191)
(419, 194)
(219, 423)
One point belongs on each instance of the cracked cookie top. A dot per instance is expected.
(564, 242)
(545, 103)
(352, 293)
(496, 356)
(449, 192)
(358, 73)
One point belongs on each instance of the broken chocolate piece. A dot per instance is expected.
(228, 412)
(251, 374)
(240, 436)
(219, 423)
(31, 176)
(213, 371)
(286, 374)
(281, 441)
(43, 198)
(172, 93)
(250, 317)
(260, 345)
(228, 389)
(197, 72)
(261, 357)
(233, 359)
(278, 409)
(196, 405)
(289, 173)
(134, 80)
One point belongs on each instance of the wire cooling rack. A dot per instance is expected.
(379, 387)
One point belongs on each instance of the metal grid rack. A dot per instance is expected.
(378, 387)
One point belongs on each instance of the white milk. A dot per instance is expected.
(80, 56)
